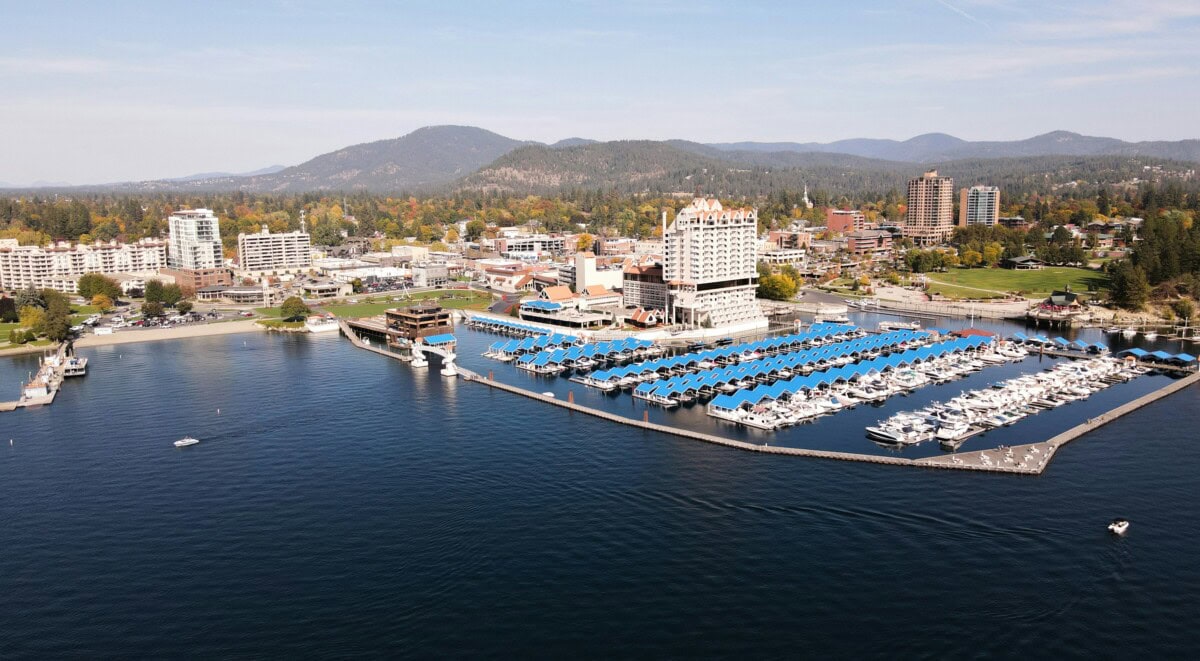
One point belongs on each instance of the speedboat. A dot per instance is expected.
(186, 441)
(1128, 332)
(1118, 526)
(1150, 335)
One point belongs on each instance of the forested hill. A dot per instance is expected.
(683, 167)
(426, 158)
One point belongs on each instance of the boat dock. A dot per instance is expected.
(43, 386)
(1027, 459)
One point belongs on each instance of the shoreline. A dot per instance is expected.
(183, 332)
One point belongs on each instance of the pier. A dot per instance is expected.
(44, 385)
(1027, 459)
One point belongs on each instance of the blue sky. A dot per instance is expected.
(97, 92)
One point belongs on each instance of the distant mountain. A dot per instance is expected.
(932, 147)
(438, 158)
(270, 169)
(426, 158)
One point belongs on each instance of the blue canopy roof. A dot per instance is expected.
(542, 305)
(435, 340)
(1185, 357)
(1135, 351)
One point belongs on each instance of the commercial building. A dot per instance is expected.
(59, 265)
(979, 205)
(263, 252)
(533, 245)
(416, 322)
(584, 271)
(930, 209)
(430, 275)
(642, 286)
(616, 246)
(846, 220)
(709, 264)
(873, 243)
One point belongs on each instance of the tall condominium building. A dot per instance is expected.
(709, 265)
(930, 209)
(979, 205)
(195, 242)
(59, 265)
(274, 252)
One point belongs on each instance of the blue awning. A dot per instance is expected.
(434, 340)
(1136, 352)
(1185, 357)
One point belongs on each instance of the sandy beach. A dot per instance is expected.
(152, 334)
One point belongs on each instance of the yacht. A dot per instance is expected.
(75, 366)
(1150, 335)
(186, 441)
(1118, 526)
(1128, 332)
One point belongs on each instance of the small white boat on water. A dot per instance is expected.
(1118, 526)
(186, 441)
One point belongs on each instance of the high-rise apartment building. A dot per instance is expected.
(979, 205)
(265, 251)
(195, 242)
(59, 265)
(930, 217)
(709, 265)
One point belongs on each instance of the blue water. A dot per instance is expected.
(343, 504)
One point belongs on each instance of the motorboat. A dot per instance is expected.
(1118, 526)
(186, 441)
(1129, 332)
(1150, 335)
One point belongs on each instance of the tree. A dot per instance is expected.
(94, 284)
(584, 242)
(327, 234)
(451, 235)
(475, 229)
(152, 309)
(971, 258)
(154, 291)
(777, 287)
(992, 252)
(1184, 308)
(102, 302)
(184, 307)
(31, 316)
(8, 310)
(1130, 288)
(171, 294)
(30, 297)
(293, 309)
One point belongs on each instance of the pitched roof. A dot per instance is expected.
(558, 293)
(598, 290)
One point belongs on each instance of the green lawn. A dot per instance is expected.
(967, 283)
(454, 300)
(279, 323)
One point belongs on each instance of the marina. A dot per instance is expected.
(692, 419)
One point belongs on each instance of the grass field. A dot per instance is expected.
(967, 283)
(279, 323)
(370, 306)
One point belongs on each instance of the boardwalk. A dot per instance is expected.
(1030, 459)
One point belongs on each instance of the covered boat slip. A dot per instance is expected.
(507, 326)
(895, 361)
(670, 392)
(585, 356)
(690, 362)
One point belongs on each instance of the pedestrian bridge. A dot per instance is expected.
(439, 345)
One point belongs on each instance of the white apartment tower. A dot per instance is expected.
(195, 242)
(709, 265)
(264, 251)
(979, 205)
(930, 209)
(59, 265)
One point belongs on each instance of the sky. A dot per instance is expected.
(94, 92)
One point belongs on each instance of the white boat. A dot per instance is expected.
(1128, 332)
(1150, 335)
(186, 441)
(321, 324)
(1118, 526)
